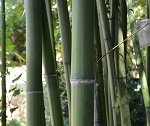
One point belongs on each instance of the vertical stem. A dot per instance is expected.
(3, 72)
(82, 65)
(100, 87)
(139, 62)
(148, 51)
(111, 67)
(51, 28)
(122, 83)
(113, 8)
(66, 45)
(34, 62)
(123, 15)
(105, 76)
(50, 74)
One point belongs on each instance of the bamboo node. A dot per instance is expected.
(82, 81)
(50, 75)
(147, 107)
(67, 62)
(112, 18)
(34, 92)
(121, 78)
(115, 107)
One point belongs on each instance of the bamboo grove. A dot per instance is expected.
(95, 77)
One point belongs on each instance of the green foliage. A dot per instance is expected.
(16, 123)
(16, 92)
(137, 109)
(15, 31)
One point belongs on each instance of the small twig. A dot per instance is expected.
(59, 68)
(125, 40)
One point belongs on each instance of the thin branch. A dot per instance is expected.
(125, 40)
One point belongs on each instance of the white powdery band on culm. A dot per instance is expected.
(82, 81)
(34, 92)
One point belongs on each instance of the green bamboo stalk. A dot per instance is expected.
(51, 28)
(43, 115)
(50, 74)
(34, 62)
(3, 59)
(111, 67)
(122, 84)
(100, 88)
(82, 65)
(97, 120)
(105, 76)
(116, 59)
(139, 62)
(113, 8)
(148, 51)
(66, 45)
(123, 15)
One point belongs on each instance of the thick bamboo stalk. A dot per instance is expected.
(111, 67)
(50, 74)
(34, 62)
(66, 45)
(139, 62)
(82, 65)
(3, 59)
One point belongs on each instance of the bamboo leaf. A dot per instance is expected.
(16, 92)
(12, 89)
(13, 109)
(17, 78)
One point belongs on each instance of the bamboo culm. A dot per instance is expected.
(139, 62)
(3, 60)
(34, 63)
(66, 46)
(50, 73)
(82, 64)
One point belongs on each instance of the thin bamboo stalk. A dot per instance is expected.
(139, 62)
(116, 59)
(100, 87)
(105, 73)
(113, 8)
(3, 59)
(51, 28)
(105, 76)
(82, 65)
(50, 74)
(122, 84)
(66, 46)
(111, 67)
(123, 15)
(148, 51)
(34, 62)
